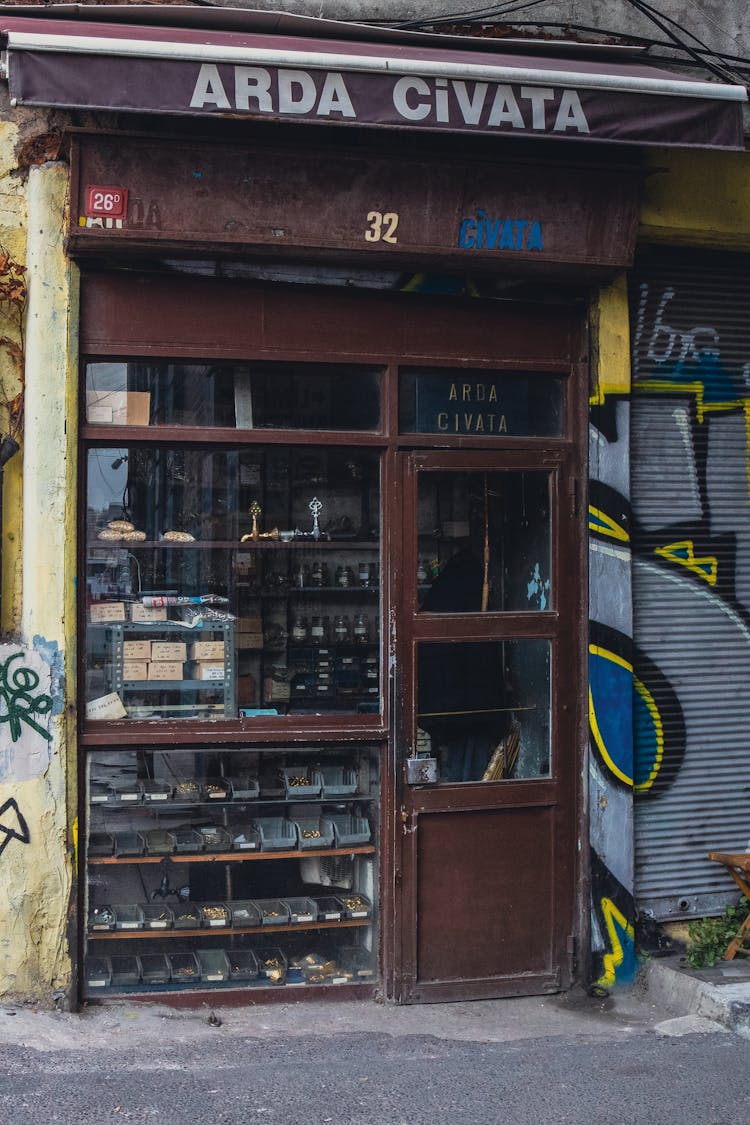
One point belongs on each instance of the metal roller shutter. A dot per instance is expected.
(690, 495)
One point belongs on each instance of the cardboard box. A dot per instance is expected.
(144, 614)
(169, 650)
(249, 640)
(107, 611)
(166, 670)
(135, 669)
(136, 650)
(106, 707)
(275, 691)
(207, 670)
(118, 408)
(207, 650)
(248, 625)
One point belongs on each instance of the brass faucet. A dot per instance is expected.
(254, 534)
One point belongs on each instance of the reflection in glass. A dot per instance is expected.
(239, 395)
(484, 707)
(186, 620)
(484, 541)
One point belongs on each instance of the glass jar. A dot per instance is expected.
(319, 574)
(318, 632)
(360, 629)
(363, 574)
(342, 576)
(341, 631)
(299, 629)
(421, 573)
(301, 576)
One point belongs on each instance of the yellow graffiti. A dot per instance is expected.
(74, 836)
(596, 650)
(613, 918)
(683, 553)
(605, 525)
(650, 702)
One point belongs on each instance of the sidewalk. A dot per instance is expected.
(668, 998)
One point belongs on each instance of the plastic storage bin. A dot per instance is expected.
(301, 782)
(214, 838)
(156, 791)
(356, 905)
(126, 970)
(186, 841)
(184, 968)
(187, 791)
(243, 964)
(157, 842)
(101, 843)
(273, 912)
(127, 794)
(128, 843)
(98, 972)
(157, 916)
(214, 965)
(102, 918)
(245, 914)
(276, 833)
(272, 965)
(338, 781)
(313, 832)
(246, 840)
(349, 829)
(128, 917)
(187, 917)
(330, 909)
(244, 788)
(155, 968)
(215, 915)
(217, 789)
(301, 910)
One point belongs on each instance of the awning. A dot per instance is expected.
(205, 72)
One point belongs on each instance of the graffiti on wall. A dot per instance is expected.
(691, 575)
(30, 695)
(12, 825)
(666, 725)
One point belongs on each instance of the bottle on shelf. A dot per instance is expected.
(341, 628)
(360, 629)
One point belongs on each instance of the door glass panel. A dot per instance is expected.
(232, 582)
(480, 403)
(483, 708)
(244, 396)
(484, 541)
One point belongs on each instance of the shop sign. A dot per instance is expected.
(305, 202)
(472, 406)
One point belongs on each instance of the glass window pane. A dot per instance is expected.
(232, 580)
(483, 708)
(244, 396)
(480, 403)
(484, 541)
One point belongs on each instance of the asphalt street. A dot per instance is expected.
(524, 1061)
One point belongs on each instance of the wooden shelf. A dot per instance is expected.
(214, 931)
(231, 857)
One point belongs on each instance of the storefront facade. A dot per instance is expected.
(333, 688)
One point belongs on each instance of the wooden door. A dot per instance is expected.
(489, 641)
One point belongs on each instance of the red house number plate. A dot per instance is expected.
(106, 201)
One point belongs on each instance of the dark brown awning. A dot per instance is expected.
(243, 74)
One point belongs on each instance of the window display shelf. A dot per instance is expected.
(294, 927)
(231, 857)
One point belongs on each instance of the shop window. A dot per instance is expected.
(484, 541)
(483, 708)
(223, 582)
(245, 396)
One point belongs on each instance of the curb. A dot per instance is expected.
(667, 984)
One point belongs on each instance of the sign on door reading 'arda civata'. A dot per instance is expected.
(472, 405)
(395, 208)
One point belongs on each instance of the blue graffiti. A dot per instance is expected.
(483, 233)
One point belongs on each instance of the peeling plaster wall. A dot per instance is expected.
(37, 731)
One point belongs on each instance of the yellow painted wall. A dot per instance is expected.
(37, 760)
(697, 199)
